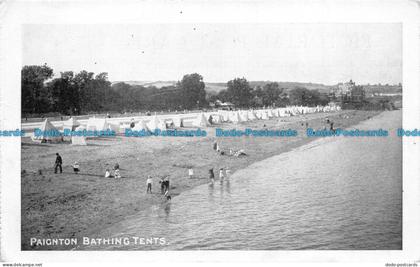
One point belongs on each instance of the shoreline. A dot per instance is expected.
(73, 206)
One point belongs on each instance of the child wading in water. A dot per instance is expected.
(221, 175)
(227, 173)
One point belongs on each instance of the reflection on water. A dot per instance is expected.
(334, 193)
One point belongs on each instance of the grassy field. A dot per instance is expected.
(68, 205)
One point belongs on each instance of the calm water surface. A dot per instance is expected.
(334, 193)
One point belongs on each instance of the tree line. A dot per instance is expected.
(84, 92)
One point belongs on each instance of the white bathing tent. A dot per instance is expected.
(217, 118)
(283, 112)
(224, 114)
(156, 124)
(141, 125)
(79, 140)
(178, 121)
(96, 124)
(264, 115)
(234, 117)
(251, 115)
(244, 116)
(114, 126)
(99, 124)
(49, 133)
(258, 114)
(201, 121)
(70, 124)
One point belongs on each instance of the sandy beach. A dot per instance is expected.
(68, 205)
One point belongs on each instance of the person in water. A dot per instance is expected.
(227, 173)
(211, 175)
(221, 175)
(166, 181)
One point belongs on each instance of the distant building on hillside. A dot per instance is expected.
(349, 91)
(357, 94)
(223, 105)
(344, 89)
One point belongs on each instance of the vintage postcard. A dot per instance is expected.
(270, 131)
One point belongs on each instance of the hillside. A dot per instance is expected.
(216, 87)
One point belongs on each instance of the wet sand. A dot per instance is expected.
(68, 205)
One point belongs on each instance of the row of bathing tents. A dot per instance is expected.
(49, 133)
(265, 114)
(154, 123)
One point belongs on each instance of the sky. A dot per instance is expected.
(318, 53)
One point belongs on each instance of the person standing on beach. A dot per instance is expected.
(162, 185)
(211, 175)
(149, 184)
(215, 145)
(76, 167)
(332, 126)
(221, 175)
(58, 163)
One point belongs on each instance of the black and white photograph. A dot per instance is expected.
(169, 165)
(212, 136)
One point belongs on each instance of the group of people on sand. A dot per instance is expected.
(76, 168)
(164, 186)
(224, 173)
(328, 121)
(231, 152)
(59, 162)
(116, 170)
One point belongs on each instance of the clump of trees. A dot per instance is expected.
(68, 94)
(192, 91)
(305, 97)
(84, 92)
(34, 96)
(241, 94)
